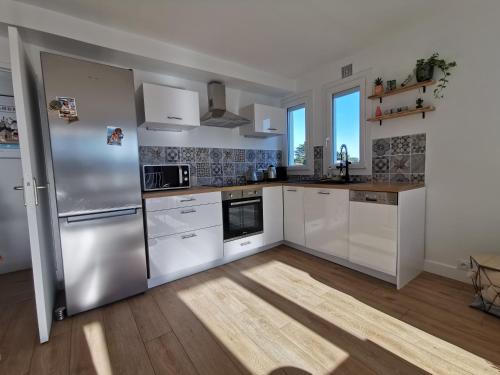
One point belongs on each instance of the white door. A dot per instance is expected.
(327, 220)
(35, 182)
(273, 214)
(293, 214)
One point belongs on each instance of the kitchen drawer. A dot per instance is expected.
(235, 247)
(179, 252)
(178, 220)
(178, 201)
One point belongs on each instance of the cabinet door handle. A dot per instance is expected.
(272, 129)
(174, 118)
(188, 211)
(186, 236)
(245, 243)
(187, 200)
(293, 190)
(323, 193)
(368, 199)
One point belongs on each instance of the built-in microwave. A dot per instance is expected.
(165, 177)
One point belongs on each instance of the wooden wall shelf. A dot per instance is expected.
(402, 114)
(415, 86)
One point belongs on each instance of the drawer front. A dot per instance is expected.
(179, 220)
(241, 245)
(182, 251)
(178, 201)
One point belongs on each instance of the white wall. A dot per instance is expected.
(463, 153)
(207, 136)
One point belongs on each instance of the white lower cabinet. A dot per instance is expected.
(373, 233)
(273, 214)
(293, 212)
(237, 247)
(327, 221)
(178, 220)
(183, 251)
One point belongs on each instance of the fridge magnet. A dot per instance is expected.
(114, 136)
(8, 123)
(65, 106)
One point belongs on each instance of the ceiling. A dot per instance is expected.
(283, 37)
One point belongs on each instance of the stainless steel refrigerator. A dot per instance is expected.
(93, 136)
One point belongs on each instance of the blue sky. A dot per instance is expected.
(345, 109)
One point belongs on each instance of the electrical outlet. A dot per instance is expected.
(463, 264)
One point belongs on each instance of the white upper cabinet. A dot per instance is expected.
(265, 121)
(327, 221)
(293, 207)
(168, 108)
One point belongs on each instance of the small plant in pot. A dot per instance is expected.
(379, 86)
(424, 71)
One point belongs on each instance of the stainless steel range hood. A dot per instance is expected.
(217, 114)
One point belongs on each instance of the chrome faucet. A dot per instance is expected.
(344, 163)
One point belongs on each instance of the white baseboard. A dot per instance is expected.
(446, 270)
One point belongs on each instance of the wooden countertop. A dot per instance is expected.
(389, 188)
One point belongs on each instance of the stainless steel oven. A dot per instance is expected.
(165, 176)
(242, 213)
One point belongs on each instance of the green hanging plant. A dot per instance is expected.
(426, 67)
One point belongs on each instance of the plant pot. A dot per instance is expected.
(424, 72)
(379, 90)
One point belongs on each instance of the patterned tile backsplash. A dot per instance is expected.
(212, 166)
(396, 159)
(399, 159)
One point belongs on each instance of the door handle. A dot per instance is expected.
(323, 193)
(188, 211)
(185, 237)
(21, 188)
(187, 200)
(272, 129)
(174, 118)
(36, 188)
(245, 243)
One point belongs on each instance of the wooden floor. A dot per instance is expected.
(279, 312)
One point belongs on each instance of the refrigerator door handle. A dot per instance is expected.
(102, 215)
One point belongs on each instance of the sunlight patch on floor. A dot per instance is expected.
(367, 323)
(247, 332)
(96, 342)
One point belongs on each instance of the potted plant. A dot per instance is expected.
(424, 71)
(379, 86)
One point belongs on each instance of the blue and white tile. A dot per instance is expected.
(172, 154)
(400, 178)
(228, 169)
(202, 155)
(217, 181)
(215, 155)
(400, 164)
(203, 170)
(381, 147)
(188, 154)
(216, 169)
(239, 155)
(418, 143)
(228, 155)
(418, 163)
(380, 165)
(250, 156)
(401, 145)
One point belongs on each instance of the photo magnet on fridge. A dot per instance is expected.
(114, 136)
(65, 106)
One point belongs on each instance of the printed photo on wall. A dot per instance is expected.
(8, 122)
(114, 136)
(65, 106)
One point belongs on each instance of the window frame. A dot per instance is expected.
(303, 99)
(337, 88)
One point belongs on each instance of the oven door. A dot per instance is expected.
(242, 217)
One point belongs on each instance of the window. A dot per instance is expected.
(346, 112)
(346, 123)
(297, 155)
